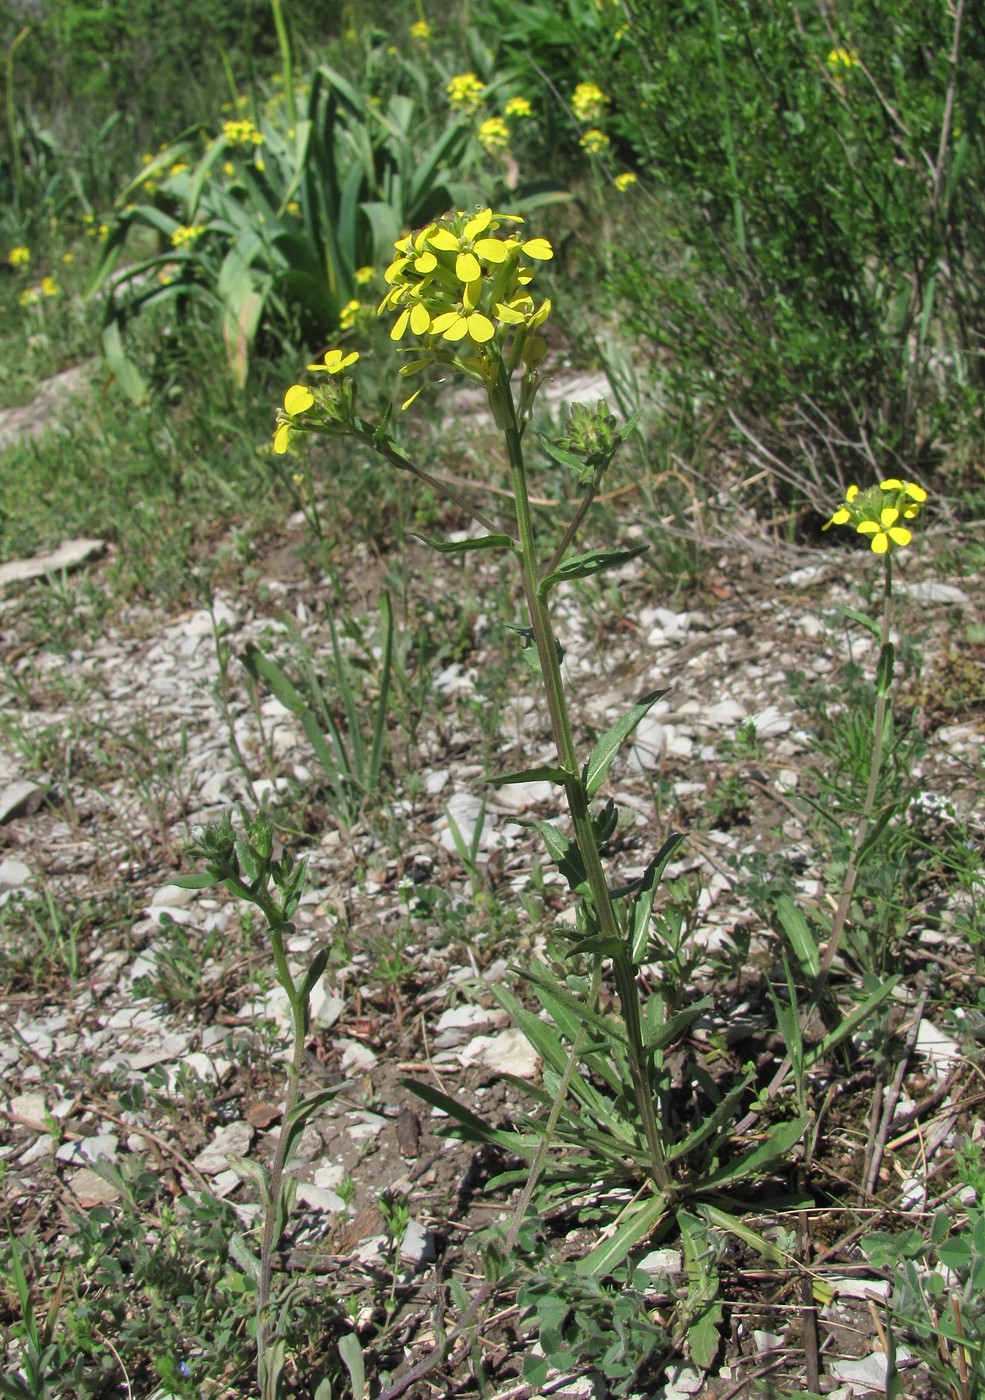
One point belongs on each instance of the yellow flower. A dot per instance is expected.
(334, 362)
(910, 497)
(49, 287)
(103, 231)
(494, 135)
(421, 31)
(842, 515)
(624, 181)
(885, 531)
(19, 256)
(68, 258)
(364, 275)
(30, 296)
(185, 234)
(588, 102)
(594, 141)
(465, 92)
(840, 60)
(179, 167)
(518, 107)
(293, 208)
(228, 168)
(348, 314)
(297, 400)
(392, 50)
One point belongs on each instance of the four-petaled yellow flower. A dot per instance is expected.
(885, 531)
(494, 135)
(298, 399)
(624, 181)
(588, 102)
(421, 31)
(842, 515)
(518, 107)
(19, 256)
(465, 92)
(334, 362)
(594, 141)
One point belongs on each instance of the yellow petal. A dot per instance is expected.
(900, 536)
(880, 543)
(282, 439)
(444, 240)
(479, 224)
(458, 328)
(400, 324)
(298, 399)
(539, 249)
(480, 328)
(441, 323)
(426, 262)
(467, 267)
(851, 493)
(888, 516)
(494, 250)
(891, 483)
(508, 314)
(395, 269)
(420, 318)
(867, 527)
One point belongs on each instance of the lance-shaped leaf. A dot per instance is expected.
(584, 565)
(783, 1137)
(564, 458)
(462, 546)
(607, 746)
(798, 930)
(565, 855)
(629, 1231)
(544, 773)
(639, 933)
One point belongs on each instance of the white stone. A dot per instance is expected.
(771, 722)
(14, 873)
(417, 1245)
(929, 591)
(356, 1056)
(233, 1140)
(507, 1053)
(319, 1198)
(942, 1051)
(20, 799)
(101, 1147)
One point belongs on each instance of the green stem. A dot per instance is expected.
(15, 145)
(504, 411)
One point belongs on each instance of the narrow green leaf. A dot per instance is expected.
(194, 882)
(884, 671)
(545, 773)
(564, 853)
(564, 458)
(584, 565)
(851, 1023)
(125, 372)
(464, 546)
(783, 1137)
(470, 1127)
(798, 931)
(639, 933)
(630, 1230)
(869, 623)
(607, 746)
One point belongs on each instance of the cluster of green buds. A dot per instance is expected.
(458, 284)
(880, 511)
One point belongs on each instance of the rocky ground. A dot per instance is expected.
(142, 1024)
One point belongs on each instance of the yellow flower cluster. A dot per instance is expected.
(465, 92)
(19, 256)
(494, 135)
(878, 512)
(421, 31)
(594, 141)
(186, 234)
(625, 181)
(47, 287)
(588, 102)
(348, 314)
(841, 60)
(241, 133)
(299, 397)
(364, 275)
(518, 107)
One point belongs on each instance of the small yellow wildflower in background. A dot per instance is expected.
(518, 107)
(365, 274)
(421, 31)
(588, 102)
(392, 50)
(49, 287)
(293, 208)
(594, 141)
(348, 314)
(185, 234)
(19, 256)
(840, 60)
(494, 135)
(68, 258)
(102, 231)
(241, 133)
(30, 296)
(465, 92)
(624, 181)
(179, 167)
(877, 512)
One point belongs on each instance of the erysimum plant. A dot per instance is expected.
(462, 300)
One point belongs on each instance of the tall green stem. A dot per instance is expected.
(504, 411)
